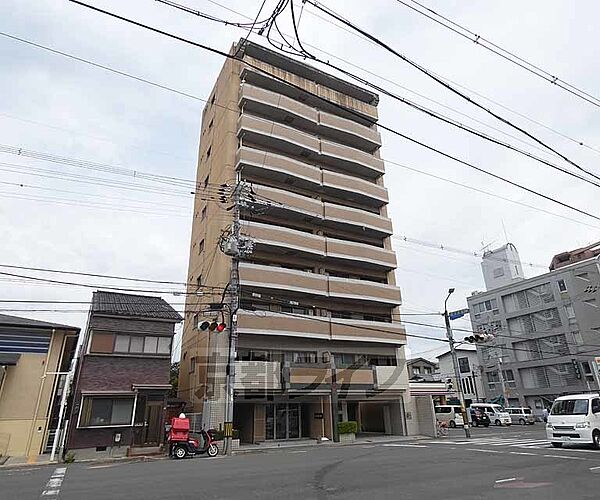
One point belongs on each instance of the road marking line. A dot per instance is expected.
(595, 468)
(485, 451)
(563, 456)
(299, 451)
(523, 453)
(53, 485)
(506, 480)
(406, 445)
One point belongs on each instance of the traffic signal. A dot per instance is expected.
(212, 326)
(576, 368)
(479, 338)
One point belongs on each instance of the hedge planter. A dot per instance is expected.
(347, 431)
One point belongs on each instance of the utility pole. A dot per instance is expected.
(234, 285)
(461, 396)
(334, 398)
(502, 383)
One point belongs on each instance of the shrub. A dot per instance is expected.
(69, 457)
(348, 427)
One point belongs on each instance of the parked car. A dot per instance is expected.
(479, 417)
(450, 414)
(521, 416)
(574, 419)
(497, 415)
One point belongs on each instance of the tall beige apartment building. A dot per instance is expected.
(320, 280)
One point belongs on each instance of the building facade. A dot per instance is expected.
(33, 355)
(501, 266)
(423, 369)
(546, 331)
(122, 379)
(470, 374)
(319, 304)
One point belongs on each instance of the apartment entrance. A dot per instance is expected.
(283, 421)
(148, 420)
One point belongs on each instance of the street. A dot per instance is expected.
(513, 462)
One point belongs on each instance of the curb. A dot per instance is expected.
(141, 458)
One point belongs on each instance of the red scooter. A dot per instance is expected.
(181, 445)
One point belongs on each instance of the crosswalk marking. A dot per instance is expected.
(511, 442)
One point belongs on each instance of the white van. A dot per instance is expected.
(497, 415)
(450, 414)
(521, 416)
(574, 419)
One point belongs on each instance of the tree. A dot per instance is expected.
(174, 379)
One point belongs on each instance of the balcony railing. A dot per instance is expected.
(293, 242)
(279, 278)
(257, 375)
(289, 140)
(285, 109)
(283, 169)
(319, 327)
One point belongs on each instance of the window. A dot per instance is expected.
(203, 214)
(122, 343)
(201, 246)
(192, 364)
(211, 123)
(416, 370)
(304, 357)
(150, 345)
(208, 151)
(164, 345)
(212, 99)
(137, 345)
(498, 272)
(463, 365)
(206, 182)
(103, 411)
(195, 321)
(595, 405)
(198, 282)
(570, 311)
(427, 370)
(562, 286)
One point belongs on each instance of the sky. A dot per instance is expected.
(99, 216)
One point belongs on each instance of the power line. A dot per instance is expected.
(434, 114)
(446, 85)
(389, 161)
(281, 79)
(503, 53)
(579, 142)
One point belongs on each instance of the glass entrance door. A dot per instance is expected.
(283, 421)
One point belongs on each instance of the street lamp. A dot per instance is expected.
(455, 363)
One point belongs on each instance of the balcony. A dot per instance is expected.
(277, 278)
(289, 205)
(354, 219)
(367, 331)
(314, 378)
(274, 167)
(284, 109)
(363, 290)
(391, 378)
(257, 375)
(360, 254)
(285, 325)
(289, 140)
(351, 160)
(279, 168)
(281, 240)
(354, 189)
(367, 112)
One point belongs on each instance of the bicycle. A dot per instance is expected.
(442, 429)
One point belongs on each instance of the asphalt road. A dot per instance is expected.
(497, 463)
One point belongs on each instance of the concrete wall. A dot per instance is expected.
(26, 400)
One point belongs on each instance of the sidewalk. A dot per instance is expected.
(43, 461)
(312, 443)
